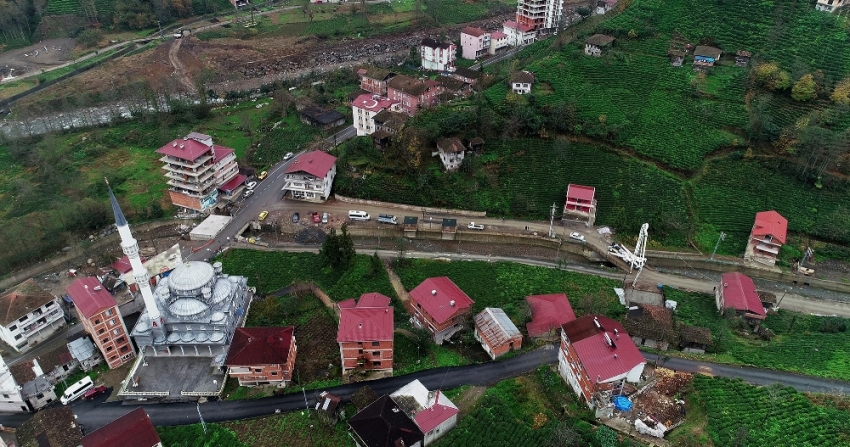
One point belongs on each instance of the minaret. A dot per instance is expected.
(140, 273)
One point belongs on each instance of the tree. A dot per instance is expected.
(771, 76)
(346, 248)
(89, 38)
(563, 435)
(841, 93)
(583, 11)
(363, 397)
(338, 249)
(805, 89)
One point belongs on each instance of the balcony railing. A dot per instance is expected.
(198, 162)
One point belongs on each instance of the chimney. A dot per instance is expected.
(452, 303)
(434, 292)
(615, 356)
(360, 325)
(97, 288)
(174, 144)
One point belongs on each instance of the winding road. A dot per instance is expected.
(92, 415)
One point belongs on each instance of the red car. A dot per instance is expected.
(316, 217)
(94, 392)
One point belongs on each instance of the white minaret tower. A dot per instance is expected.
(140, 273)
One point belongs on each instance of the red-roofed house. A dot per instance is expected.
(518, 34)
(262, 355)
(134, 429)
(596, 355)
(365, 107)
(431, 411)
(310, 177)
(580, 204)
(365, 333)
(195, 169)
(474, 42)
(98, 311)
(767, 237)
(498, 42)
(28, 314)
(496, 332)
(439, 306)
(737, 291)
(548, 314)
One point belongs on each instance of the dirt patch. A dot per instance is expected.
(34, 58)
(660, 400)
(318, 351)
(467, 399)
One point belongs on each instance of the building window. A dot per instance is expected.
(274, 373)
(360, 351)
(105, 340)
(376, 363)
(101, 330)
(376, 353)
(113, 357)
(120, 339)
(376, 343)
(116, 332)
(24, 318)
(18, 337)
(124, 348)
(108, 312)
(112, 322)
(256, 370)
(96, 321)
(13, 327)
(109, 348)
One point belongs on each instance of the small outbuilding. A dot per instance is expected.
(706, 56)
(209, 228)
(596, 44)
(496, 332)
(742, 58)
(521, 82)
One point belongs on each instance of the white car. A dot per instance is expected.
(251, 185)
(248, 193)
(288, 156)
(577, 236)
(472, 226)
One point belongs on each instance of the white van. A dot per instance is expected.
(358, 215)
(387, 219)
(76, 390)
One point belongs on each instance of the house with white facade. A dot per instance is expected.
(365, 107)
(11, 399)
(518, 34)
(431, 411)
(829, 5)
(543, 16)
(474, 42)
(596, 44)
(451, 152)
(437, 56)
(28, 314)
(310, 177)
(603, 6)
(498, 42)
(521, 82)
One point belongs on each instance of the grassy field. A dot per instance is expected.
(216, 435)
(802, 343)
(741, 414)
(292, 429)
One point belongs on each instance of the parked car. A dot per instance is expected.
(295, 217)
(316, 217)
(472, 226)
(262, 175)
(247, 193)
(251, 185)
(263, 215)
(387, 219)
(94, 392)
(324, 218)
(288, 156)
(577, 236)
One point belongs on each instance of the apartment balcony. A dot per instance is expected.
(191, 164)
(190, 189)
(767, 249)
(302, 186)
(198, 178)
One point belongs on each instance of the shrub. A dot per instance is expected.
(805, 89)
(89, 38)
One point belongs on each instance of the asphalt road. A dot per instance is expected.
(92, 415)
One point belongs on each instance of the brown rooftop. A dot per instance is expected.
(599, 40)
(695, 334)
(21, 300)
(408, 85)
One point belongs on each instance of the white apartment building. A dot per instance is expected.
(364, 109)
(28, 314)
(437, 56)
(310, 177)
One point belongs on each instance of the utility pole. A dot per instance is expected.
(203, 424)
(722, 237)
(160, 29)
(552, 221)
(306, 405)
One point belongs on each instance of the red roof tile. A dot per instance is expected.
(435, 296)
(472, 31)
(522, 28)
(134, 429)
(429, 418)
(89, 296)
(122, 265)
(260, 346)
(739, 293)
(579, 192)
(498, 35)
(315, 163)
(347, 304)
(184, 148)
(603, 361)
(233, 183)
(221, 151)
(369, 102)
(367, 321)
(771, 223)
(548, 312)
(373, 299)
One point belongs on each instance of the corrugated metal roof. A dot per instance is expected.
(495, 325)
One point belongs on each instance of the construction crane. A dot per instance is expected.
(636, 259)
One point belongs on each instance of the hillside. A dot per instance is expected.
(691, 153)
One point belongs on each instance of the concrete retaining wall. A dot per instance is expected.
(415, 209)
(77, 254)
